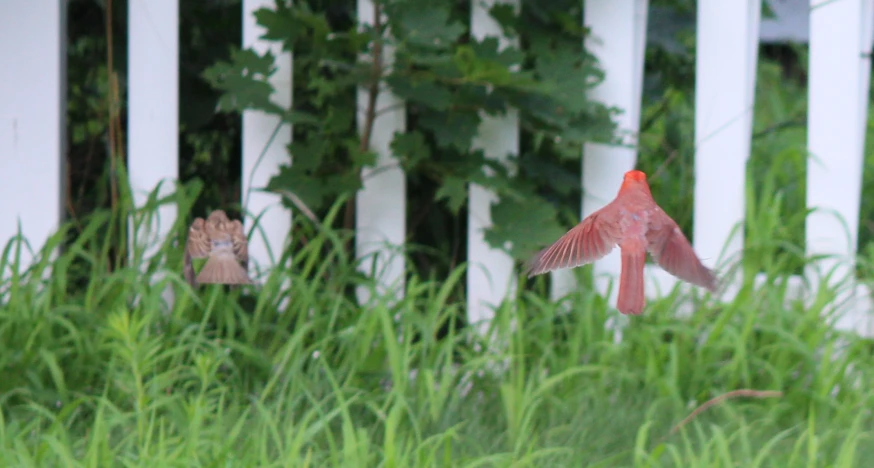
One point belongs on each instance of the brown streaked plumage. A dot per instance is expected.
(634, 222)
(223, 243)
(241, 244)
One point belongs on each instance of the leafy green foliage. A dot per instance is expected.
(448, 81)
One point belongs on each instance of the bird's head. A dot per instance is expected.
(218, 215)
(217, 230)
(634, 179)
(635, 176)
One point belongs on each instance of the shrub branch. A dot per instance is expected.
(744, 392)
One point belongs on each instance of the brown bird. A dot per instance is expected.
(635, 223)
(223, 243)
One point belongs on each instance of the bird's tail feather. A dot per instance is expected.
(221, 269)
(631, 295)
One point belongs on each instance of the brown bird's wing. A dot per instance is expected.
(588, 241)
(241, 243)
(188, 270)
(672, 251)
(197, 246)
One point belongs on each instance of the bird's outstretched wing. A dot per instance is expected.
(197, 246)
(588, 241)
(672, 251)
(241, 243)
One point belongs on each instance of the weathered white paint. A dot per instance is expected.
(727, 52)
(840, 64)
(32, 120)
(490, 276)
(618, 40)
(264, 140)
(381, 218)
(153, 116)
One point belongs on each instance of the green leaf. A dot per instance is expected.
(420, 90)
(506, 16)
(314, 190)
(564, 76)
(489, 51)
(455, 130)
(410, 148)
(363, 158)
(483, 62)
(523, 225)
(454, 191)
(280, 24)
(243, 82)
(307, 154)
(297, 117)
(425, 25)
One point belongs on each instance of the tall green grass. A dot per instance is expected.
(106, 372)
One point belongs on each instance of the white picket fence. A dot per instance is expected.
(32, 133)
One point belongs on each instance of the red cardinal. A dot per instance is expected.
(638, 225)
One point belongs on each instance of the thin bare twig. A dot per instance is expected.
(387, 109)
(376, 71)
(115, 138)
(744, 392)
(299, 204)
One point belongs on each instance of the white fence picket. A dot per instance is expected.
(153, 113)
(617, 38)
(727, 53)
(840, 65)
(32, 120)
(490, 275)
(381, 218)
(264, 140)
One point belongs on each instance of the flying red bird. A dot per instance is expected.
(635, 223)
